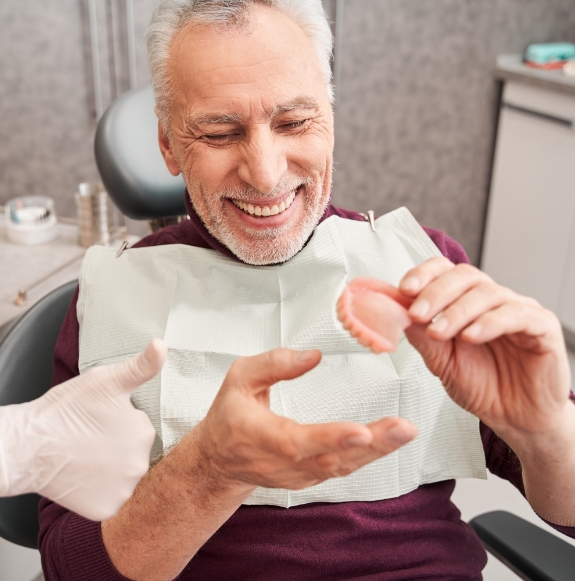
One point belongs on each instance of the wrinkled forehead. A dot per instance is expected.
(250, 69)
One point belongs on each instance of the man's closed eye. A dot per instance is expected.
(221, 138)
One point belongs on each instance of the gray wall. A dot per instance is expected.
(418, 103)
(414, 123)
(47, 119)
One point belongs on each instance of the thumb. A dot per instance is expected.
(433, 351)
(258, 373)
(131, 374)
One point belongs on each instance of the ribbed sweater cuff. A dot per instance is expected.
(567, 531)
(85, 556)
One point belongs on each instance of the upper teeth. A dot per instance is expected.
(265, 210)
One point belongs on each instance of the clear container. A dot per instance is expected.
(31, 220)
(95, 217)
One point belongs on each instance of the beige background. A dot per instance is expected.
(415, 122)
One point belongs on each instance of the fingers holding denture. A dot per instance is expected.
(374, 313)
(449, 300)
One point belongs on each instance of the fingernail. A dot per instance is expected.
(419, 308)
(155, 345)
(411, 283)
(357, 440)
(399, 435)
(473, 331)
(439, 325)
(304, 356)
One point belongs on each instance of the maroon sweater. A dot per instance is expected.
(419, 535)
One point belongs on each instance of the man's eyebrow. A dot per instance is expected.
(308, 103)
(298, 103)
(215, 118)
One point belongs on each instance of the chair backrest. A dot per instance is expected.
(26, 367)
(130, 162)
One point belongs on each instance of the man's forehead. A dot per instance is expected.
(225, 72)
(238, 112)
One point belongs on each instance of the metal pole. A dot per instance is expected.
(22, 298)
(338, 48)
(98, 99)
(131, 43)
(112, 60)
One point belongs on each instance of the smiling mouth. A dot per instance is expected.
(265, 211)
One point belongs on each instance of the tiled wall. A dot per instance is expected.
(417, 108)
(414, 124)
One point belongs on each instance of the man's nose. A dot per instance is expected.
(263, 161)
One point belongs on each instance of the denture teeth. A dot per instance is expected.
(266, 210)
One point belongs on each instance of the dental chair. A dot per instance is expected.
(529, 551)
(130, 163)
(26, 367)
(135, 176)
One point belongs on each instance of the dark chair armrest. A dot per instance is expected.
(529, 551)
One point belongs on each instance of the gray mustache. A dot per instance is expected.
(251, 192)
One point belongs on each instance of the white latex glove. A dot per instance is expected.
(82, 444)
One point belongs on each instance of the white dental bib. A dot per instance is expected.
(210, 310)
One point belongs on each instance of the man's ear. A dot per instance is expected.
(167, 153)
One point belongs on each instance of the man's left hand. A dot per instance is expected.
(500, 356)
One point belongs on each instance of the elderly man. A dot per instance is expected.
(244, 106)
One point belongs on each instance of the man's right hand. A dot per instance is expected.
(187, 496)
(241, 441)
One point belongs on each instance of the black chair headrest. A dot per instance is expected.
(130, 163)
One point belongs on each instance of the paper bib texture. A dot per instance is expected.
(210, 310)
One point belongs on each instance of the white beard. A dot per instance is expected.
(273, 245)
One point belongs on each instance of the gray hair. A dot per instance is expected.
(170, 16)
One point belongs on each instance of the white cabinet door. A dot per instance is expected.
(531, 207)
(567, 298)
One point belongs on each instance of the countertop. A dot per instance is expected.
(512, 68)
(21, 266)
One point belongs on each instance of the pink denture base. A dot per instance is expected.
(374, 312)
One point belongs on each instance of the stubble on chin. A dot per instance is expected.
(262, 246)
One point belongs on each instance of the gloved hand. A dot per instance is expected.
(82, 444)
